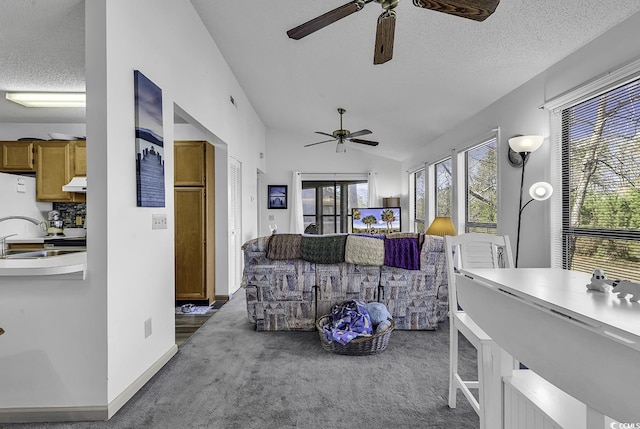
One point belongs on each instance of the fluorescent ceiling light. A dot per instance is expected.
(48, 99)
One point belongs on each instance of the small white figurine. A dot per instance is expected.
(626, 287)
(599, 281)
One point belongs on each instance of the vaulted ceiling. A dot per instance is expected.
(444, 68)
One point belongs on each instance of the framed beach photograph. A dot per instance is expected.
(149, 142)
(277, 196)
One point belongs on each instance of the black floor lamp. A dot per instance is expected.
(519, 150)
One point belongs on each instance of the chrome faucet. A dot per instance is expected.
(3, 240)
(29, 219)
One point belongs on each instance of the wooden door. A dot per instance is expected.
(53, 170)
(16, 156)
(190, 241)
(189, 159)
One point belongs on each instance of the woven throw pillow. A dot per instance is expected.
(363, 250)
(284, 246)
(323, 249)
(402, 253)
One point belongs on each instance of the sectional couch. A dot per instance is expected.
(291, 279)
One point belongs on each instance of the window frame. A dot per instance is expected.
(464, 224)
(415, 221)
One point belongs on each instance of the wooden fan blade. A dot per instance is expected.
(360, 133)
(325, 134)
(325, 141)
(478, 10)
(323, 20)
(384, 37)
(367, 142)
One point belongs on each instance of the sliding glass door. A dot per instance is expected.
(326, 205)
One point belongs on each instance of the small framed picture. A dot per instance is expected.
(277, 196)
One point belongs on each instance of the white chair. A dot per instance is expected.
(474, 250)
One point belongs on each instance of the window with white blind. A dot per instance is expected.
(481, 187)
(443, 188)
(601, 183)
(419, 195)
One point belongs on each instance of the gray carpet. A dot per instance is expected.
(229, 376)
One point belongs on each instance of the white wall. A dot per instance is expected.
(286, 154)
(82, 343)
(17, 203)
(175, 51)
(15, 131)
(518, 113)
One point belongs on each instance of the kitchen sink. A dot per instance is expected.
(36, 254)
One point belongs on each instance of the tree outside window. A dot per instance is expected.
(601, 183)
(419, 200)
(481, 188)
(443, 188)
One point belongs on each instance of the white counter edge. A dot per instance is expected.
(69, 266)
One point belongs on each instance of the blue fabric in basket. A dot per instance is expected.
(347, 321)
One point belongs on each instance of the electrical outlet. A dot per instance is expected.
(159, 221)
(147, 328)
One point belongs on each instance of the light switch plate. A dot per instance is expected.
(21, 187)
(159, 221)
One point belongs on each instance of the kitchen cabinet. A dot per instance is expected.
(17, 157)
(194, 205)
(79, 157)
(190, 170)
(56, 163)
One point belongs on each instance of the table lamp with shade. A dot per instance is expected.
(441, 226)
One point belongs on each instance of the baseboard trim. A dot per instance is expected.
(133, 388)
(52, 414)
(86, 413)
(221, 297)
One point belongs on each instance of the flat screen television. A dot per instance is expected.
(375, 220)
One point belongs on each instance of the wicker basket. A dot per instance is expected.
(359, 346)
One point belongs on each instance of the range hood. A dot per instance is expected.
(77, 184)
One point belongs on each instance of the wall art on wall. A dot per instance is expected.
(277, 196)
(149, 142)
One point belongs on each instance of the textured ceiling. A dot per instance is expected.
(41, 49)
(444, 69)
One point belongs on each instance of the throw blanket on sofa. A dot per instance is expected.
(364, 250)
(348, 321)
(323, 249)
(284, 246)
(402, 253)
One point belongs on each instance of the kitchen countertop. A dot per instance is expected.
(39, 239)
(70, 265)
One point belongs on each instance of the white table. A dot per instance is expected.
(586, 343)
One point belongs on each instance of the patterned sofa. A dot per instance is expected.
(288, 286)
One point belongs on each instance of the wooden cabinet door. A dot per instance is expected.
(16, 156)
(80, 158)
(53, 170)
(189, 163)
(190, 241)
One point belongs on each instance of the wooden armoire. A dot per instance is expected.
(194, 199)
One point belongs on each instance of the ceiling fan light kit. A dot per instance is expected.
(477, 10)
(341, 136)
